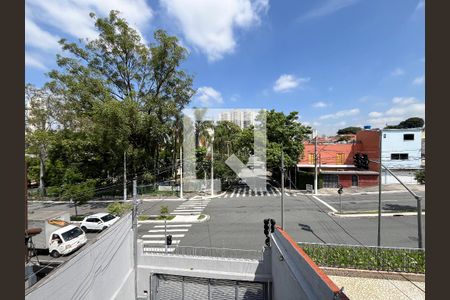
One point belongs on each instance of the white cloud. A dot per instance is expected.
(72, 16)
(404, 101)
(420, 5)
(397, 72)
(375, 114)
(320, 104)
(340, 114)
(419, 80)
(327, 8)
(288, 82)
(38, 38)
(33, 61)
(210, 25)
(402, 109)
(208, 96)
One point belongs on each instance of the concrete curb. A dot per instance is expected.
(373, 215)
(178, 219)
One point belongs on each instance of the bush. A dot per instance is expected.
(420, 176)
(118, 208)
(367, 258)
(164, 210)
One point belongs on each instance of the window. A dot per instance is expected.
(71, 234)
(340, 158)
(311, 158)
(408, 137)
(91, 220)
(399, 156)
(107, 218)
(384, 135)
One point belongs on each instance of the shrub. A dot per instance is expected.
(420, 176)
(118, 208)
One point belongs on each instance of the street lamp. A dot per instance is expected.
(211, 134)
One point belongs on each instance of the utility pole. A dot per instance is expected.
(134, 219)
(282, 188)
(315, 164)
(379, 191)
(212, 163)
(124, 176)
(181, 172)
(165, 232)
(419, 208)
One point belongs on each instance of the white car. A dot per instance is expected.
(66, 240)
(98, 222)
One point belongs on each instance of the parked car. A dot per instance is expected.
(98, 222)
(66, 240)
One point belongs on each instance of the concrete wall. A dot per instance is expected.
(407, 177)
(199, 266)
(393, 143)
(294, 275)
(102, 270)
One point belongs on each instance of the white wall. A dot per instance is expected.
(293, 277)
(393, 143)
(102, 270)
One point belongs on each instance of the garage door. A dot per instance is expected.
(170, 287)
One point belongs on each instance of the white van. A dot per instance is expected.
(66, 240)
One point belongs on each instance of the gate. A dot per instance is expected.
(172, 287)
(330, 181)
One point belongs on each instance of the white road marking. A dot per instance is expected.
(158, 249)
(149, 236)
(326, 204)
(159, 241)
(173, 226)
(170, 230)
(188, 210)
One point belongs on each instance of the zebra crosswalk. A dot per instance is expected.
(242, 192)
(154, 239)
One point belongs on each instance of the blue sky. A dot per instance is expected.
(337, 62)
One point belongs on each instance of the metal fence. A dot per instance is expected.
(394, 259)
(216, 252)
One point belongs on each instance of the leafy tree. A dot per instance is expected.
(117, 95)
(349, 130)
(40, 121)
(414, 122)
(284, 132)
(118, 209)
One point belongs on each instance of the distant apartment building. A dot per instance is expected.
(402, 153)
(241, 117)
(335, 160)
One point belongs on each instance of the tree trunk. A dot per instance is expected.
(41, 171)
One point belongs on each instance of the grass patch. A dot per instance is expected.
(201, 217)
(143, 218)
(165, 217)
(367, 258)
(76, 218)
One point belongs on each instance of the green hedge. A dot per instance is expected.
(367, 258)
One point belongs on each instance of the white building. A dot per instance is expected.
(402, 154)
(241, 117)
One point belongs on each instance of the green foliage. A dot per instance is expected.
(384, 259)
(109, 96)
(118, 208)
(420, 176)
(164, 210)
(349, 130)
(414, 122)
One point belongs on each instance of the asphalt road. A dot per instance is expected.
(237, 223)
(390, 202)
